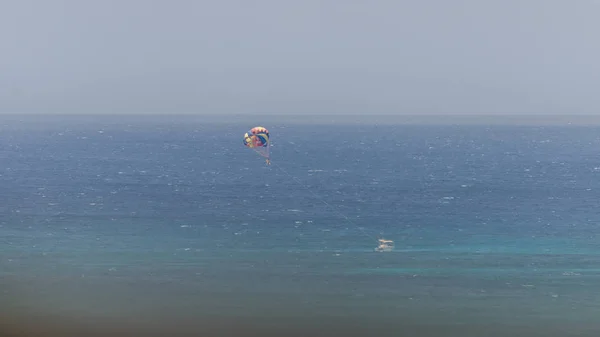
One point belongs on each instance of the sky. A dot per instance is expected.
(300, 57)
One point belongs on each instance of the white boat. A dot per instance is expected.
(385, 245)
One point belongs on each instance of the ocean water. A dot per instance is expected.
(174, 225)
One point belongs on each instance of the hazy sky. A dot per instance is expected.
(301, 56)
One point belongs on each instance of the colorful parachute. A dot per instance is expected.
(257, 139)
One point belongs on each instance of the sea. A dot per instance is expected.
(169, 226)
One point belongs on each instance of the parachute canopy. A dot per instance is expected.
(257, 139)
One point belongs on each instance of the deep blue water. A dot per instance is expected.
(493, 225)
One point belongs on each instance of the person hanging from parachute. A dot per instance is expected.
(258, 139)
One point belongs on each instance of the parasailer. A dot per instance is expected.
(258, 140)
